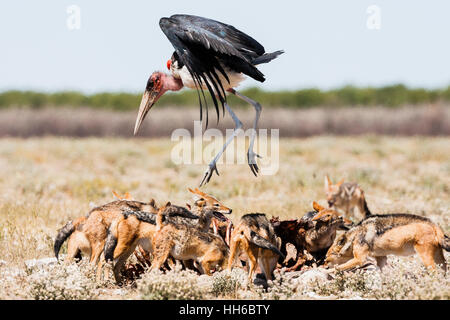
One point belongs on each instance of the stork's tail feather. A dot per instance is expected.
(62, 236)
(445, 243)
(265, 244)
(267, 57)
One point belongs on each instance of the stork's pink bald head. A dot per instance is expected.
(158, 84)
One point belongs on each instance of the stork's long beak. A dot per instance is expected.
(148, 100)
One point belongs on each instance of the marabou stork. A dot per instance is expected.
(209, 55)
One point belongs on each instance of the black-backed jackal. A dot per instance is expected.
(211, 218)
(184, 242)
(87, 235)
(126, 233)
(345, 197)
(314, 233)
(137, 228)
(126, 196)
(255, 236)
(325, 224)
(207, 208)
(380, 235)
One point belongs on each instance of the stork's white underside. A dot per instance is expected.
(185, 76)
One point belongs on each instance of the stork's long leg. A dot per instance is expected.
(251, 155)
(212, 166)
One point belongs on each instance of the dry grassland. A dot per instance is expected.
(44, 182)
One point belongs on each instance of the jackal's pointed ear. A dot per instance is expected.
(152, 203)
(162, 209)
(197, 190)
(327, 183)
(317, 207)
(127, 196)
(116, 195)
(188, 206)
(340, 182)
(196, 193)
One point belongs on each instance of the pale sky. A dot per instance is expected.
(327, 43)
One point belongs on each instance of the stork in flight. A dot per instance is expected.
(209, 55)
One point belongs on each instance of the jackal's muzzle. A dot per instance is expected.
(221, 216)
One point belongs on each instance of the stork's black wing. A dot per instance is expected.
(206, 46)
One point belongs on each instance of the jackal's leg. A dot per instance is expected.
(272, 264)
(97, 249)
(96, 253)
(251, 155)
(252, 261)
(440, 259)
(72, 250)
(162, 251)
(233, 250)
(360, 254)
(352, 263)
(101, 266)
(381, 262)
(106, 271)
(300, 261)
(120, 262)
(265, 267)
(426, 254)
(190, 265)
(124, 247)
(99, 269)
(212, 166)
(171, 263)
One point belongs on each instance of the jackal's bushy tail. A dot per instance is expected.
(111, 240)
(256, 239)
(65, 233)
(62, 236)
(110, 246)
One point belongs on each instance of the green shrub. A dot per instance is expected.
(394, 95)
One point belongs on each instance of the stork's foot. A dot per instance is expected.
(251, 157)
(208, 173)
